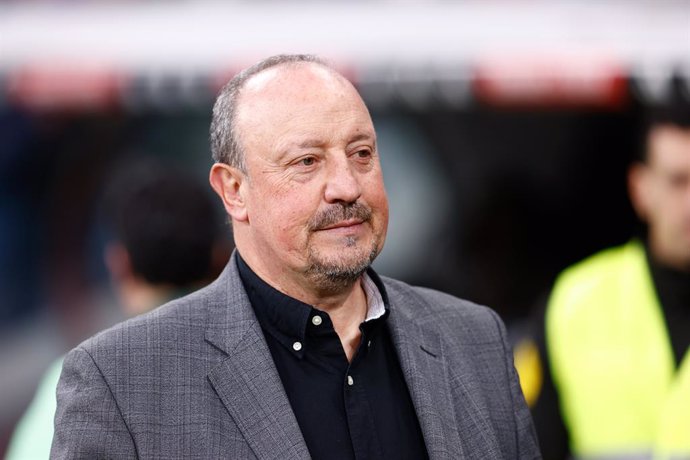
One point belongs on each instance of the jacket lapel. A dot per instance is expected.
(249, 386)
(422, 363)
(246, 380)
(426, 365)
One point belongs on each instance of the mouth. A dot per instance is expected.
(345, 224)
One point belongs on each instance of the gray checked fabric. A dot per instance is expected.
(194, 379)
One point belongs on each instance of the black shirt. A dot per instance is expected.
(357, 410)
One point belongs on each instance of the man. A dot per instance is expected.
(156, 253)
(618, 323)
(299, 349)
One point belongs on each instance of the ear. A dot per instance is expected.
(227, 183)
(639, 190)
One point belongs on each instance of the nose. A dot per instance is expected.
(342, 183)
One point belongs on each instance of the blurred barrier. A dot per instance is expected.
(170, 55)
(524, 83)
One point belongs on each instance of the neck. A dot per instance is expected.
(346, 316)
(667, 258)
(346, 306)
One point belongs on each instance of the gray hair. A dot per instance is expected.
(225, 142)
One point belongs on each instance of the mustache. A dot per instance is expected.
(339, 212)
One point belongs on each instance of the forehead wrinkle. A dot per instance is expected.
(309, 143)
(342, 125)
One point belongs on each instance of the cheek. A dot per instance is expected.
(377, 199)
(289, 214)
(376, 196)
(381, 212)
(668, 206)
(666, 219)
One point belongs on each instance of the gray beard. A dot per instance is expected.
(332, 276)
(336, 274)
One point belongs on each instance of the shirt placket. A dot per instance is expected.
(357, 407)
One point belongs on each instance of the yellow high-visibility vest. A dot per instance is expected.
(612, 362)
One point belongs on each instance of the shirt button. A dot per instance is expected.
(316, 320)
(369, 344)
(350, 380)
(297, 346)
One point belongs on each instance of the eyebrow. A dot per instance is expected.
(363, 137)
(311, 143)
(315, 143)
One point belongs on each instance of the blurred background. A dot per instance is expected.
(505, 129)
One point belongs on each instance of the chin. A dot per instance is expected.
(345, 262)
(346, 257)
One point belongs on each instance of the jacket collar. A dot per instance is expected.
(453, 426)
(249, 386)
(246, 380)
(420, 353)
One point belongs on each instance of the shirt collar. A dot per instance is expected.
(376, 307)
(287, 318)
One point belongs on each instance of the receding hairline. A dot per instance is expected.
(249, 94)
(226, 142)
(266, 76)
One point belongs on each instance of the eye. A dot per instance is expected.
(308, 161)
(363, 153)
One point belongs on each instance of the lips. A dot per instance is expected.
(343, 224)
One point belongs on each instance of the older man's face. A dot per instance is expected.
(315, 197)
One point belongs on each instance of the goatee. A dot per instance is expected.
(338, 273)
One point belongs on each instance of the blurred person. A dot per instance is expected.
(617, 324)
(158, 252)
(299, 349)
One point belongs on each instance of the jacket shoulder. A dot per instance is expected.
(434, 302)
(173, 321)
(447, 312)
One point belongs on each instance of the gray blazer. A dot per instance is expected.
(194, 379)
